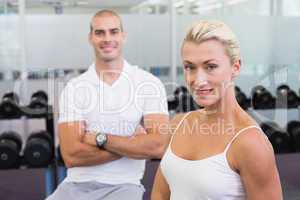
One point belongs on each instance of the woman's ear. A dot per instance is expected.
(236, 67)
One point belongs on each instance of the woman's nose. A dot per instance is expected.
(200, 78)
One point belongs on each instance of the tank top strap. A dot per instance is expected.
(178, 125)
(237, 134)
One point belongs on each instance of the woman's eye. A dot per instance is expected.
(189, 67)
(211, 66)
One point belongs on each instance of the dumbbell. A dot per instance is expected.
(68, 71)
(186, 104)
(16, 75)
(178, 93)
(241, 98)
(81, 71)
(181, 90)
(262, 98)
(184, 100)
(9, 106)
(10, 147)
(172, 104)
(38, 151)
(286, 98)
(279, 138)
(293, 128)
(39, 100)
(293, 99)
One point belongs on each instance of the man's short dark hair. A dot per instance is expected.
(106, 13)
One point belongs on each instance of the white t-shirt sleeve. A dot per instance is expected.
(155, 98)
(69, 108)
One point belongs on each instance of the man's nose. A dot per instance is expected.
(107, 37)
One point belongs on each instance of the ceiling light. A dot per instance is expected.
(179, 4)
(82, 3)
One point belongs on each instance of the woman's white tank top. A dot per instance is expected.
(211, 178)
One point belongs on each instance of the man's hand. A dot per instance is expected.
(140, 130)
(145, 143)
(89, 138)
(78, 153)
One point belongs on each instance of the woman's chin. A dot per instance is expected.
(208, 102)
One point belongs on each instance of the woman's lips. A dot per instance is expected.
(203, 92)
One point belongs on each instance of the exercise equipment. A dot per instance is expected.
(262, 98)
(279, 138)
(172, 104)
(181, 90)
(39, 100)
(183, 101)
(10, 147)
(293, 128)
(81, 71)
(241, 98)
(38, 151)
(286, 98)
(9, 106)
(186, 103)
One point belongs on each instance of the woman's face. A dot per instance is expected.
(208, 71)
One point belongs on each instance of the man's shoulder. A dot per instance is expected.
(80, 78)
(144, 75)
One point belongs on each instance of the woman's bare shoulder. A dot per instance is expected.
(252, 148)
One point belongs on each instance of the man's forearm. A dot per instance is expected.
(137, 147)
(89, 155)
(147, 142)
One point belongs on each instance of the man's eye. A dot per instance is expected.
(98, 32)
(114, 31)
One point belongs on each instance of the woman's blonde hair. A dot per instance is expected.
(212, 29)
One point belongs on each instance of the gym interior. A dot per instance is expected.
(44, 44)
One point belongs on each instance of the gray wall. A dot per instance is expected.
(270, 47)
(60, 41)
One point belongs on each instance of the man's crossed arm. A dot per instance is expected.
(79, 147)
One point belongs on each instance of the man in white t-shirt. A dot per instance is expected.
(100, 112)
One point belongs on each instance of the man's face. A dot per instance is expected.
(107, 38)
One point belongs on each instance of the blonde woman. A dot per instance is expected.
(218, 152)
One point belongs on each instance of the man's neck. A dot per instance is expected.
(109, 72)
(115, 65)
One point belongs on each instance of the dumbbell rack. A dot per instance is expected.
(277, 114)
(281, 116)
(47, 115)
